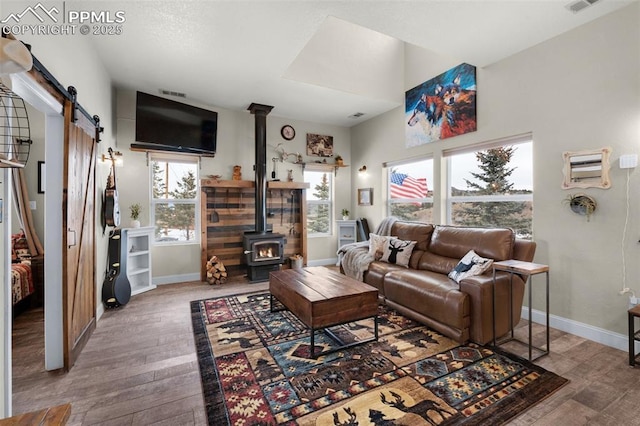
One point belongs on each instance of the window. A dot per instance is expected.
(408, 187)
(319, 202)
(174, 200)
(493, 187)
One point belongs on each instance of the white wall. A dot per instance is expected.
(236, 144)
(580, 90)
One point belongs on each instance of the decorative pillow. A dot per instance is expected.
(471, 264)
(22, 254)
(19, 247)
(376, 245)
(398, 251)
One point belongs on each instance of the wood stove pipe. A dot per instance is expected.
(260, 112)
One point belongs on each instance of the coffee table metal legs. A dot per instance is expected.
(331, 334)
(272, 298)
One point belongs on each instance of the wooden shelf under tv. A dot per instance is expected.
(234, 203)
(165, 152)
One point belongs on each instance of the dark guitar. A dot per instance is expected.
(116, 289)
(111, 208)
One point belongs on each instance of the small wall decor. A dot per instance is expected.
(587, 169)
(288, 132)
(365, 196)
(582, 204)
(319, 145)
(442, 107)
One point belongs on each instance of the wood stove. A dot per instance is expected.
(264, 253)
(263, 250)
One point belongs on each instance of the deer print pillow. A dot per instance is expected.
(376, 245)
(397, 251)
(471, 264)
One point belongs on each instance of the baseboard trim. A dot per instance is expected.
(322, 262)
(174, 279)
(596, 334)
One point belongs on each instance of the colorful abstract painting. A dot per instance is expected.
(442, 107)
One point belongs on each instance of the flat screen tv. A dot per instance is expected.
(166, 125)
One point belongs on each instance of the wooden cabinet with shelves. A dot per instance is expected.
(136, 258)
(228, 211)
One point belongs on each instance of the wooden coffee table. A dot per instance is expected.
(322, 298)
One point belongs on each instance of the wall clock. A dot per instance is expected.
(288, 132)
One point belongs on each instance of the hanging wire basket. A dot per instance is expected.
(15, 136)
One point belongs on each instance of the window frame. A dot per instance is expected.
(153, 202)
(450, 199)
(427, 200)
(330, 172)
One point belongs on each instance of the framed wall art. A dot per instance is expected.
(319, 145)
(365, 196)
(442, 107)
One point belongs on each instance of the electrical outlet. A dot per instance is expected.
(633, 301)
(32, 205)
(628, 161)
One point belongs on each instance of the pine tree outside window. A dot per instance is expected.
(410, 189)
(493, 187)
(175, 200)
(319, 202)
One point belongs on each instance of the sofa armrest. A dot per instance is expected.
(480, 290)
(524, 250)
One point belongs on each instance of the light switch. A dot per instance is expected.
(32, 205)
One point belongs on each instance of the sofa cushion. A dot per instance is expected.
(376, 273)
(415, 231)
(471, 264)
(436, 263)
(398, 251)
(455, 242)
(430, 294)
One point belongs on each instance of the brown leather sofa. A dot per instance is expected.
(425, 293)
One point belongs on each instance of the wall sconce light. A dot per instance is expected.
(116, 156)
(362, 169)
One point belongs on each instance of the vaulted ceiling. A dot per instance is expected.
(318, 61)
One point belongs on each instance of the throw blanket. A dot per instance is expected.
(355, 257)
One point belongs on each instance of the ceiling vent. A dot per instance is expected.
(580, 5)
(172, 93)
(356, 115)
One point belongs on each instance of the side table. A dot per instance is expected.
(527, 269)
(633, 334)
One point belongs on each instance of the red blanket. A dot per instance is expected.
(21, 280)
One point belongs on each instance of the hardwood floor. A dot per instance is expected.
(140, 367)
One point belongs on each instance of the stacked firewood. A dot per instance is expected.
(216, 272)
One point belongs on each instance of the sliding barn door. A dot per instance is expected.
(79, 286)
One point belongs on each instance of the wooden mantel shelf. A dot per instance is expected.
(287, 185)
(250, 184)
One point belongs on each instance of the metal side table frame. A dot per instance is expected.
(529, 269)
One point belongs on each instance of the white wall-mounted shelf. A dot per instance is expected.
(136, 258)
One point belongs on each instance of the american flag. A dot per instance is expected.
(404, 186)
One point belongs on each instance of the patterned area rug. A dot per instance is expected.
(256, 370)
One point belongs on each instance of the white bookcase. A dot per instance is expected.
(136, 258)
(347, 232)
